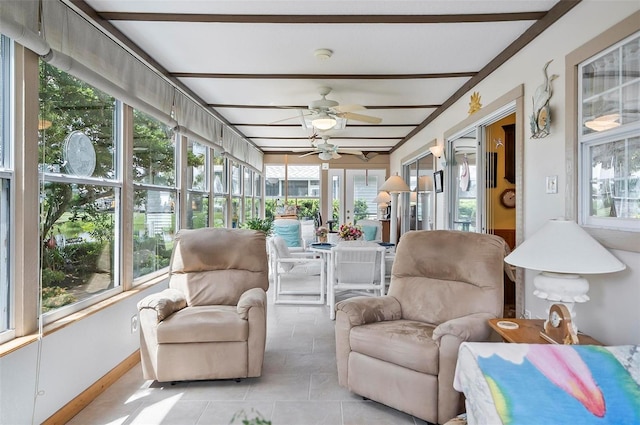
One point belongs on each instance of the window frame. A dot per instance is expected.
(610, 238)
(7, 321)
(586, 141)
(59, 177)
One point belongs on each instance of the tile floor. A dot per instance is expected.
(299, 386)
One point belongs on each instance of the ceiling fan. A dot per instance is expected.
(326, 150)
(326, 113)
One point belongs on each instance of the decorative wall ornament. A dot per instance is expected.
(474, 104)
(541, 117)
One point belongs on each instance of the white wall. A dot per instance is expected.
(72, 359)
(613, 314)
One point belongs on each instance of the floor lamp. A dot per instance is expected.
(394, 185)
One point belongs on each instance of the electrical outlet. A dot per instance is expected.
(527, 314)
(134, 323)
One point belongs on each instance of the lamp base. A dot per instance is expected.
(562, 288)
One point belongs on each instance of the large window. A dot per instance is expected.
(155, 195)
(5, 190)
(80, 192)
(292, 186)
(609, 137)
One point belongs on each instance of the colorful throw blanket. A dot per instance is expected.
(549, 384)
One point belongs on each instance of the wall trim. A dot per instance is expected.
(74, 407)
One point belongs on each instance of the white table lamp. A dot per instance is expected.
(394, 185)
(382, 199)
(563, 251)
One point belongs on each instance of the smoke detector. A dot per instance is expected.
(323, 54)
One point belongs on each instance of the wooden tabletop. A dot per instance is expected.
(528, 332)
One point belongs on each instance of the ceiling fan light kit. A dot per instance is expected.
(323, 122)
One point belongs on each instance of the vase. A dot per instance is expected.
(322, 239)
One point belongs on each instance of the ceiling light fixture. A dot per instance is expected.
(323, 54)
(325, 156)
(323, 121)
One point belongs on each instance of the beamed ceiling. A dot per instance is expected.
(253, 62)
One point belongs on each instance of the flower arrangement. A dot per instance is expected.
(348, 232)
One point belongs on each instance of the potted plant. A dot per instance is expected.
(264, 225)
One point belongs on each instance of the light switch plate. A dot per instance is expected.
(325, 165)
(552, 184)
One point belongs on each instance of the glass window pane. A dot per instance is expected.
(5, 295)
(248, 182)
(236, 182)
(364, 192)
(610, 94)
(76, 126)
(79, 237)
(196, 166)
(257, 184)
(154, 226)
(219, 212)
(236, 206)
(197, 210)
(248, 209)
(153, 151)
(614, 179)
(219, 174)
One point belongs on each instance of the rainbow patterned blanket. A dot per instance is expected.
(522, 384)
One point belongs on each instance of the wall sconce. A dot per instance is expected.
(438, 152)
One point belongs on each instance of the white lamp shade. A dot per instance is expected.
(395, 184)
(425, 184)
(561, 246)
(382, 198)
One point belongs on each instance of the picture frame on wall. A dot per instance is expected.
(438, 180)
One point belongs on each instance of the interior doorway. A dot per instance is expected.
(481, 166)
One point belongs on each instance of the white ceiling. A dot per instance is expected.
(255, 59)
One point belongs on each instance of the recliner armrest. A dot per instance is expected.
(165, 303)
(473, 327)
(255, 297)
(363, 310)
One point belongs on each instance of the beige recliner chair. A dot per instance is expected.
(211, 321)
(401, 349)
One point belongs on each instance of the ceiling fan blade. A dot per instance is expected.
(308, 153)
(348, 108)
(350, 151)
(360, 117)
(285, 119)
(335, 155)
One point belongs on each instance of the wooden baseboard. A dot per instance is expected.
(72, 408)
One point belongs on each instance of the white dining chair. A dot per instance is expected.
(299, 277)
(357, 268)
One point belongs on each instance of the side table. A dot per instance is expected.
(528, 332)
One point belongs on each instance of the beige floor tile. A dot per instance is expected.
(280, 387)
(307, 413)
(372, 413)
(222, 413)
(324, 386)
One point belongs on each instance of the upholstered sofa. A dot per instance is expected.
(401, 349)
(211, 321)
